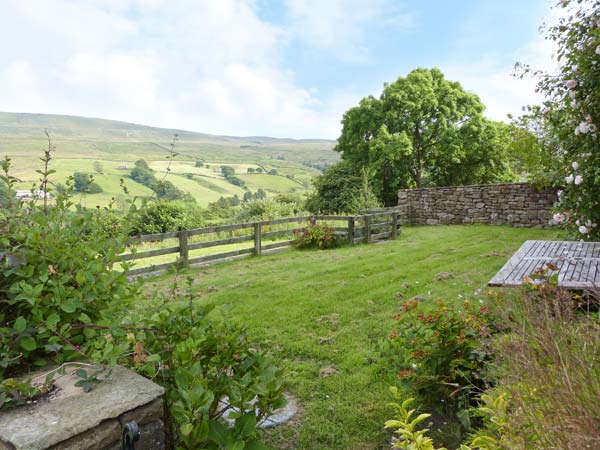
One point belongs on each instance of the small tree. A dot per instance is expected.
(84, 182)
(199, 164)
(98, 168)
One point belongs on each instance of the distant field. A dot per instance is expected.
(81, 141)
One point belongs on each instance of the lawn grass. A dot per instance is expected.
(291, 300)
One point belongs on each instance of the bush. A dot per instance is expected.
(315, 236)
(209, 369)
(84, 182)
(164, 216)
(57, 266)
(258, 210)
(440, 353)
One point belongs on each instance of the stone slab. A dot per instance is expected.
(69, 411)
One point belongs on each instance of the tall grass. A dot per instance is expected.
(550, 367)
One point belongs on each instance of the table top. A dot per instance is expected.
(578, 263)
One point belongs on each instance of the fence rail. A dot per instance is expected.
(366, 227)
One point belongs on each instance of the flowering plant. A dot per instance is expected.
(572, 114)
(440, 352)
(315, 236)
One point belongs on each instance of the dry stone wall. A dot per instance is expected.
(517, 204)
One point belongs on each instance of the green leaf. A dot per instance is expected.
(186, 429)
(217, 432)
(81, 373)
(20, 324)
(256, 445)
(52, 321)
(69, 307)
(245, 425)
(28, 344)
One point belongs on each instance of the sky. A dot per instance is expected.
(287, 68)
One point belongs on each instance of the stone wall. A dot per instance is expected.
(517, 204)
(70, 419)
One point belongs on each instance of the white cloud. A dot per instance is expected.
(207, 66)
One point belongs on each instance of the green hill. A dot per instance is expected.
(81, 141)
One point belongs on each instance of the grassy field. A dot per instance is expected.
(330, 309)
(81, 141)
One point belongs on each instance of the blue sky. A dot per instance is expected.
(286, 68)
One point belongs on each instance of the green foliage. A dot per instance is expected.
(199, 164)
(164, 216)
(422, 131)
(84, 182)
(88, 380)
(210, 370)
(341, 189)
(164, 189)
(440, 352)
(229, 174)
(316, 236)
(62, 300)
(16, 393)
(57, 276)
(572, 115)
(258, 210)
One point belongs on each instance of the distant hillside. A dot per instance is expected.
(81, 141)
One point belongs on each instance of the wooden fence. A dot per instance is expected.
(368, 227)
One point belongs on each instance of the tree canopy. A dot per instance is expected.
(423, 130)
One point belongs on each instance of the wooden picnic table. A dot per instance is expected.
(578, 263)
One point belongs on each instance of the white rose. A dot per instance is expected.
(569, 179)
(571, 84)
(578, 179)
(583, 229)
(558, 217)
(575, 165)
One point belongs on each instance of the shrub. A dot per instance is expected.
(164, 216)
(209, 369)
(258, 210)
(315, 236)
(57, 266)
(85, 183)
(440, 353)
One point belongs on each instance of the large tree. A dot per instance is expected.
(423, 130)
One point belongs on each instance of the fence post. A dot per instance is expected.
(183, 247)
(394, 225)
(367, 219)
(257, 238)
(351, 230)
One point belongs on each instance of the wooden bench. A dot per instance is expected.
(578, 263)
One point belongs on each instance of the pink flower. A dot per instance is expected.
(571, 84)
(559, 217)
